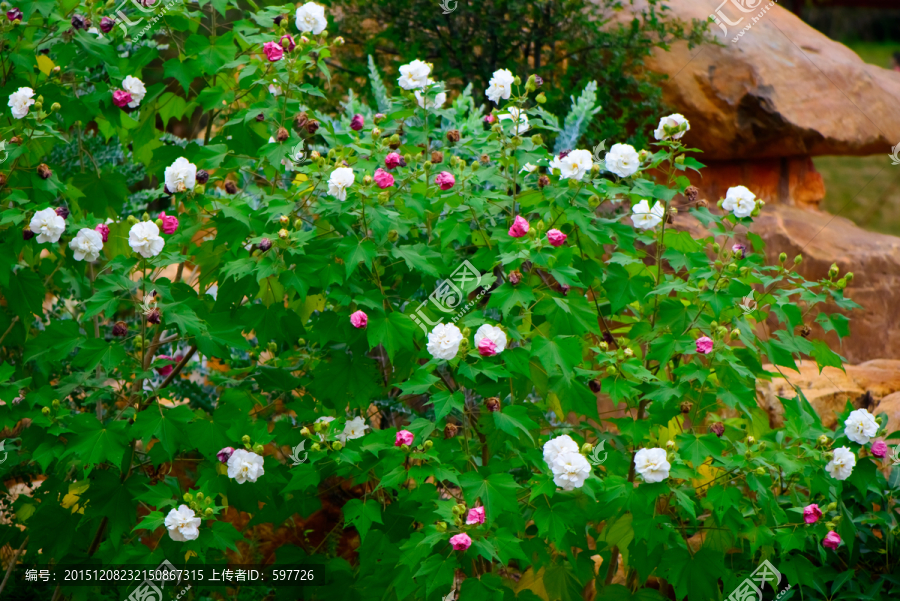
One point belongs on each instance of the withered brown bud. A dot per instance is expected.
(265, 244)
(717, 428)
(805, 331)
(686, 406)
(564, 288)
(279, 19)
(153, 317)
(44, 171)
(202, 176)
(282, 134)
(595, 386)
(15, 140)
(453, 136)
(692, 193)
(543, 181)
(492, 404)
(485, 159)
(394, 142)
(312, 126)
(27, 234)
(450, 430)
(120, 329)
(231, 187)
(300, 121)
(702, 203)
(2, 179)
(62, 212)
(515, 276)
(437, 156)
(260, 117)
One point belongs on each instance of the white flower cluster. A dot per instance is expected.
(181, 176)
(87, 245)
(645, 218)
(144, 239)
(47, 225)
(445, 338)
(341, 179)
(672, 127)
(518, 118)
(623, 160)
(570, 468)
(416, 76)
(500, 86)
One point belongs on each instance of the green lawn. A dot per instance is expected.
(865, 190)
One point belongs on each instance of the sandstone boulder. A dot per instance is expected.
(872, 385)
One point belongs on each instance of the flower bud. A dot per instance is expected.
(586, 448)
(245, 439)
(404, 448)
(265, 244)
(441, 526)
(337, 446)
(428, 165)
(188, 497)
(208, 512)
(367, 180)
(283, 233)
(831, 507)
(573, 183)
(828, 456)
(761, 471)
(841, 283)
(679, 160)
(541, 98)
(202, 176)
(304, 431)
(427, 445)
(670, 445)
(376, 133)
(830, 525)
(751, 440)
(45, 411)
(798, 259)
(315, 447)
(611, 370)
(537, 140)
(394, 142)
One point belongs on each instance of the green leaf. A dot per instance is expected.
(97, 351)
(696, 449)
(514, 418)
(96, 443)
(362, 515)
(691, 575)
(497, 492)
(394, 330)
(444, 402)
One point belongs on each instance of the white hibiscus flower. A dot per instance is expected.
(860, 426)
(841, 466)
(740, 201)
(673, 126)
(414, 75)
(20, 101)
(494, 334)
(574, 165)
(311, 18)
(181, 175)
(570, 470)
(353, 429)
(144, 239)
(427, 98)
(135, 87)
(245, 466)
(519, 118)
(623, 160)
(500, 86)
(652, 464)
(182, 524)
(645, 218)
(47, 225)
(443, 341)
(86, 245)
(554, 447)
(341, 179)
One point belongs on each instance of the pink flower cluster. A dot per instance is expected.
(273, 51)
(445, 180)
(704, 345)
(170, 223)
(404, 437)
(359, 319)
(519, 227)
(383, 179)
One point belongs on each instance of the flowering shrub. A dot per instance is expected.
(418, 351)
